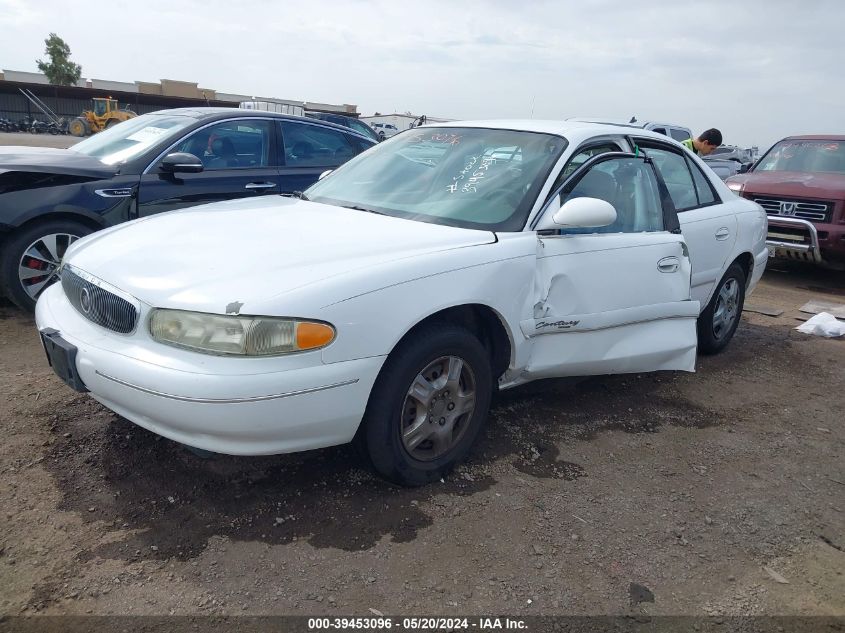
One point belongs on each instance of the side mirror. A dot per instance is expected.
(744, 168)
(324, 174)
(181, 162)
(579, 213)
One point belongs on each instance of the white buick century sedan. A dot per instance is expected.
(387, 303)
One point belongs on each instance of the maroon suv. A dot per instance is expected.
(800, 182)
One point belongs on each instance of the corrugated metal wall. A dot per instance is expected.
(16, 107)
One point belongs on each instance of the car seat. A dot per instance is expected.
(302, 151)
(224, 153)
(198, 146)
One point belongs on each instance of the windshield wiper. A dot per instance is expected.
(356, 208)
(296, 194)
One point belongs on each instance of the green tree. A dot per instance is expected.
(59, 69)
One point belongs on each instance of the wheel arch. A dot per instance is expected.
(478, 318)
(746, 261)
(94, 223)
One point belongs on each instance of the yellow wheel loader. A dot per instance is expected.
(104, 115)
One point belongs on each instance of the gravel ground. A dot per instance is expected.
(720, 492)
(37, 140)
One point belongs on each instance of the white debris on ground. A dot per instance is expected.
(823, 324)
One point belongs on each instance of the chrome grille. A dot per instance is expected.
(99, 305)
(815, 211)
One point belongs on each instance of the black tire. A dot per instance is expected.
(79, 127)
(111, 123)
(380, 434)
(711, 337)
(15, 247)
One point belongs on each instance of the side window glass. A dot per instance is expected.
(630, 185)
(673, 168)
(314, 146)
(660, 130)
(230, 145)
(580, 158)
(702, 186)
(679, 135)
(360, 127)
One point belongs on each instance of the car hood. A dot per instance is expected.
(206, 258)
(50, 160)
(793, 184)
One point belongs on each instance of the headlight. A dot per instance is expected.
(238, 335)
(736, 187)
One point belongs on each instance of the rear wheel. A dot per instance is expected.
(428, 405)
(31, 259)
(719, 320)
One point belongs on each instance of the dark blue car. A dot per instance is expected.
(152, 163)
(347, 121)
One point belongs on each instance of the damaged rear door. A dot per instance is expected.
(614, 299)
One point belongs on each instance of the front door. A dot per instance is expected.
(239, 161)
(614, 299)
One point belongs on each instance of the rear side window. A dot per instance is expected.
(360, 127)
(702, 186)
(680, 135)
(314, 146)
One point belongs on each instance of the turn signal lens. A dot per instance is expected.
(310, 335)
(238, 335)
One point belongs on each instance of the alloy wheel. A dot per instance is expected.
(39, 264)
(726, 311)
(438, 407)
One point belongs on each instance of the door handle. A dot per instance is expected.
(668, 264)
(260, 185)
(723, 233)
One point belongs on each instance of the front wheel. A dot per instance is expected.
(719, 320)
(428, 405)
(79, 127)
(31, 258)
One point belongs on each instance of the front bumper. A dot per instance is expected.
(819, 243)
(225, 405)
(793, 238)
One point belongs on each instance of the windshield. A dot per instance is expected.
(468, 177)
(805, 156)
(129, 139)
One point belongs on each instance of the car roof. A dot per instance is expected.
(558, 128)
(816, 137)
(228, 113)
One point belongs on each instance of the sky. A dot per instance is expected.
(758, 70)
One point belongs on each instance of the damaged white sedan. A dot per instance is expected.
(388, 302)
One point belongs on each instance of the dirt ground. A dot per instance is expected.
(720, 492)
